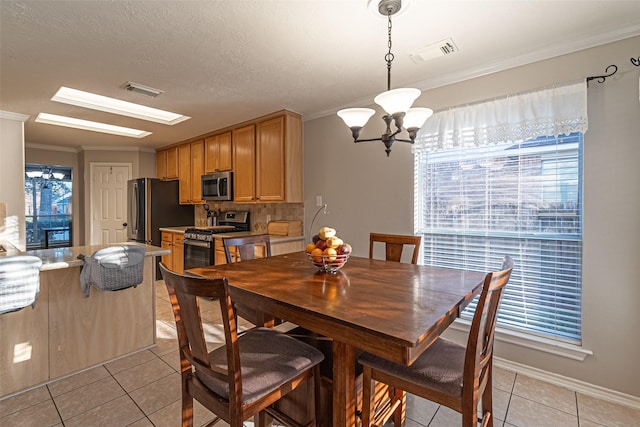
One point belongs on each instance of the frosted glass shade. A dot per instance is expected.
(415, 117)
(356, 117)
(397, 100)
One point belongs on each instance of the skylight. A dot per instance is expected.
(111, 105)
(53, 119)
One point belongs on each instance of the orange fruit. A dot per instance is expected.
(316, 255)
(310, 247)
(331, 254)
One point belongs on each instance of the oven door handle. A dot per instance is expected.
(196, 243)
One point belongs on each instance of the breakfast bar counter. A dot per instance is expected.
(67, 332)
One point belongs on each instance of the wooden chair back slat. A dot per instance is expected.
(394, 245)
(246, 246)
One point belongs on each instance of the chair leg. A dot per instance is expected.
(397, 414)
(317, 398)
(470, 415)
(187, 409)
(366, 396)
(487, 399)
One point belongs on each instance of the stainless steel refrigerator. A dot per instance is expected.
(152, 204)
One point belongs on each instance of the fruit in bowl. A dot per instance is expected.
(327, 251)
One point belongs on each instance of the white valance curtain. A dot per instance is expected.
(549, 112)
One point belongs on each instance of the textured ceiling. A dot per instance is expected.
(222, 62)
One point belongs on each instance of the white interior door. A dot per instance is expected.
(109, 202)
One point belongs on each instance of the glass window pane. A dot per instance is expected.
(476, 205)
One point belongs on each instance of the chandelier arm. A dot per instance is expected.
(405, 140)
(367, 140)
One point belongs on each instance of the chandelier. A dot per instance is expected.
(396, 103)
(43, 175)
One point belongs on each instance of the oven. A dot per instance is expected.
(199, 242)
(198, 253)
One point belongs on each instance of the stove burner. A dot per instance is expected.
(206, 233)
(230, 221)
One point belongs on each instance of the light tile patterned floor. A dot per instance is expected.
(143, 390)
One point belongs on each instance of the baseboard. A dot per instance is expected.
(570, 383)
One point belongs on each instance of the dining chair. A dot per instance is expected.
(246, 250)
(447, 373)
(245, 376)
(246, 246)
(394, 244)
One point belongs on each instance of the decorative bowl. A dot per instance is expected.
(328, 263)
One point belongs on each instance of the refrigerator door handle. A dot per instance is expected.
(134, 208)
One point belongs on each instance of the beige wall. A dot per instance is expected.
(12, 177)
(366, 191)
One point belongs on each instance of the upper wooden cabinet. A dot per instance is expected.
(190, 169)
(217, 153)
(275, 151)
(244, 164)
(167, 163)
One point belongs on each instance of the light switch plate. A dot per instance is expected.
(318, 201)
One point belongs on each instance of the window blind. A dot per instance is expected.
(476, 205)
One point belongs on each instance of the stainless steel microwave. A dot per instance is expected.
(217, 186)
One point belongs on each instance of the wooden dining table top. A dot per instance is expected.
(391, 309)
(403, 303)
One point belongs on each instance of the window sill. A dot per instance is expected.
(570, 351)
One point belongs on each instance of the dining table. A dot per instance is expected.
(391, 309)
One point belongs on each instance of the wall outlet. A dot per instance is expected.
(268, 219)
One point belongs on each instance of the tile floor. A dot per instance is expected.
(143, 390)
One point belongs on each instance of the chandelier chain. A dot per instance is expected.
(389, 56)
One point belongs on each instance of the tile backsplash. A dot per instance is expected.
(258, 212)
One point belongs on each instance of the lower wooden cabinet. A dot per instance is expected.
(178, 252)
(175, 243)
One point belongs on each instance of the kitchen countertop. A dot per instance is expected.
(59, 258)
(180, 229)
(274, 238)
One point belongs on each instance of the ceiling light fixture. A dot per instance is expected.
(53, 119)
(397, 102)
(111, 105)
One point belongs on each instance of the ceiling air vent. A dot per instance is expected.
(145, 90)
(442, 48)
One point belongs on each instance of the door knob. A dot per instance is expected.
(124, 224)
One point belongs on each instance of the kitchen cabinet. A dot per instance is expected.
(178, 252)
(167, 243)
(167, 163)
(268, 160)
(190, 169)
(218, 153)
(244, 164)
(175, 243)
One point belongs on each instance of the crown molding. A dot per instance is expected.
(13, 116)
(51, 147)
(115, 148)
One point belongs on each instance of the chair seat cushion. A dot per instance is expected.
(439, 368)
(268, 359)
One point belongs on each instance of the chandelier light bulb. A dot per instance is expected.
(416, 117)
(356, 117)
(397, 100)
